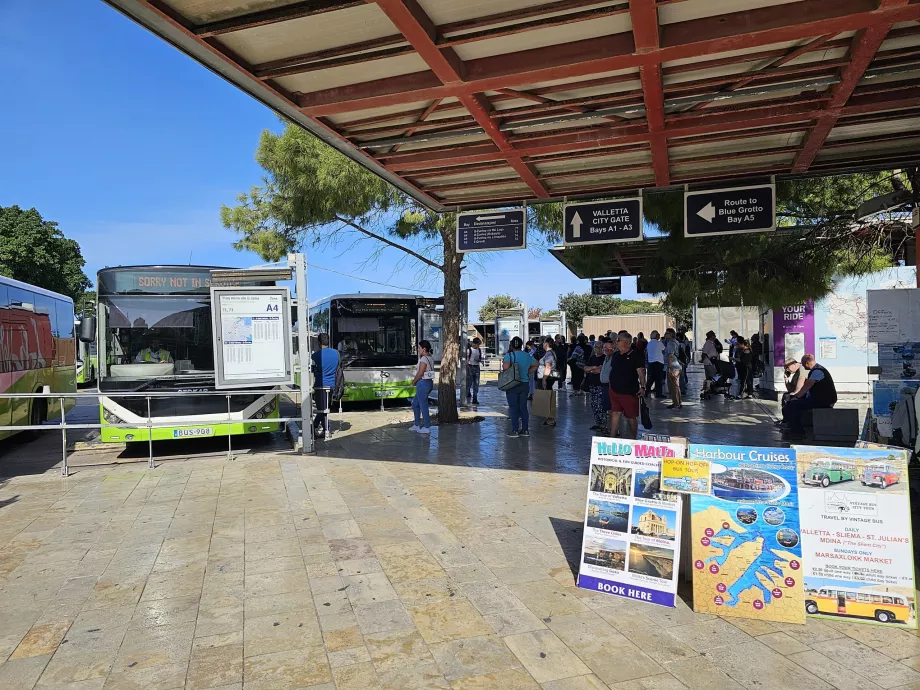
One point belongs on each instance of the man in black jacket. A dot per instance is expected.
(818, 391)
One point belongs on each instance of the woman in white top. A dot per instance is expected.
(424, 383)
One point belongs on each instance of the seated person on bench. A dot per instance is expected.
(818, 391)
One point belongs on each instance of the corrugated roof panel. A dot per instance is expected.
(621, 158)
(310, 34)
(377, 112)
(353, 74)
(578, 80)
(697, 9)
(600, 90)
(632, 178)
(732, 53)
(901, 42)
(449, 11)
(730, 146)
(474, 192)
(204, 11)
(478, 176)
(441, 143)
(874, 129)
(868, 149)
(540, 38)
(702, 168)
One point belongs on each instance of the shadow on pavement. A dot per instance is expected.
(569, 534)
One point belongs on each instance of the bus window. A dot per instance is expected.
(851, 596)
(865, 598)
(830, 592)
(876, 599)
(887, 600)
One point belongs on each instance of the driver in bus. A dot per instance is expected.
(154, 354)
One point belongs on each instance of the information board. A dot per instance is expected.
(856, 535)
(252, 337)
(686, 476)
(894, 315)
(730, 211)
(632, 527)
(747, 551)
(485, 231)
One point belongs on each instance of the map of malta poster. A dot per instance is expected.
(747, 550)
(632, 527)
(856, 536)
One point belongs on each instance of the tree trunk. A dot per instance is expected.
(450, 331)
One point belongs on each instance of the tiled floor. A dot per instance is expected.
(388, 560)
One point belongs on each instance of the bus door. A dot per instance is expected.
(431, 322)
(841, 602)
(6, 366)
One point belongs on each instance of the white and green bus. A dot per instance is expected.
(375, 335)
(37, 352)
(155, 335)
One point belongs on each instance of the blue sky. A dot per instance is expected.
(132, 148)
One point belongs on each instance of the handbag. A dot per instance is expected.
(510, 377)
(645, 414)
(544, 403)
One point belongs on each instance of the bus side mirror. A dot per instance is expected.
(88, 329)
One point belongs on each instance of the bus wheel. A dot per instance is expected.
(36, 417)
(825, 482)
(811, 607)
(883, 617)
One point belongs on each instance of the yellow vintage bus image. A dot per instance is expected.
(885, 607)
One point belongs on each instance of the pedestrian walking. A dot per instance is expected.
(627, 384)
(561, 351)
(654, 351)
(517, 396)
(547, 369)
(474, 362)
(424, 383)
(597, 390)
(675, 369)
(325, 362)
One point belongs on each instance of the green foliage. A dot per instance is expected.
(577, 306)
(35, 251)
(495, 302)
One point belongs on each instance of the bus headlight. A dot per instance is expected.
(112, 418)
(268, 409)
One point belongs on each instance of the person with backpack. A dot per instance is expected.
(424, 383)
(517, 393)
(325, 364)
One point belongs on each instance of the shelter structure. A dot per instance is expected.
(466, 104)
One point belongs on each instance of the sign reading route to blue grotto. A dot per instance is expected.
(747, 544)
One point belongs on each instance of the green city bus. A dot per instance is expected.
(375, 335)
(154, 334)
(37, 352)
(827, 471)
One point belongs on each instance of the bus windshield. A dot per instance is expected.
(362, 329)
(151, 337)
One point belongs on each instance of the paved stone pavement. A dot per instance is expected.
(387, 560)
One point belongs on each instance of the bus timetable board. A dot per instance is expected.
(252, 337)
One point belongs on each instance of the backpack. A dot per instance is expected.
(338, 391)
(718, 346)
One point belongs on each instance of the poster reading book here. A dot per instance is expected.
(632, 527)
(747, 552)
(856, 534)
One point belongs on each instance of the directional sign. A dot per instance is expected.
(606, 286)
(486, 231)
(600, 222)
(730, 211)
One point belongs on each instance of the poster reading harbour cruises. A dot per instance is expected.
(632, 527)
(856, 539)
(747, 551)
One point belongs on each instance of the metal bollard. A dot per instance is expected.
(64, 469)
(229, 432)
(150, 465)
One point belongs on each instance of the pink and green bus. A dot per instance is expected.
(38, 353)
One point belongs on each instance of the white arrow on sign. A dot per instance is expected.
(576, 225)
(489, 217)
(707, 213)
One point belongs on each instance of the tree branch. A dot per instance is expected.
(389, 242)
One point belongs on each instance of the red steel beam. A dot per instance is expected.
(644, 15)
(296, 10)
(409, 132)
(410, 19)
(695, 38)
(865, 45)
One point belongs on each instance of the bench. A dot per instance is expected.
(832, 425)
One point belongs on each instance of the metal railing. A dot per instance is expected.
(150, 424)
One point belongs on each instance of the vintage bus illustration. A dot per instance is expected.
(827, 471)
(885, 607)
(880, 474)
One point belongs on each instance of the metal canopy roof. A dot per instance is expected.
(473, 102)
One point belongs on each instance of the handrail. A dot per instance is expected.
(149, 424)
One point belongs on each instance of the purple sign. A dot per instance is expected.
(793, 332)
